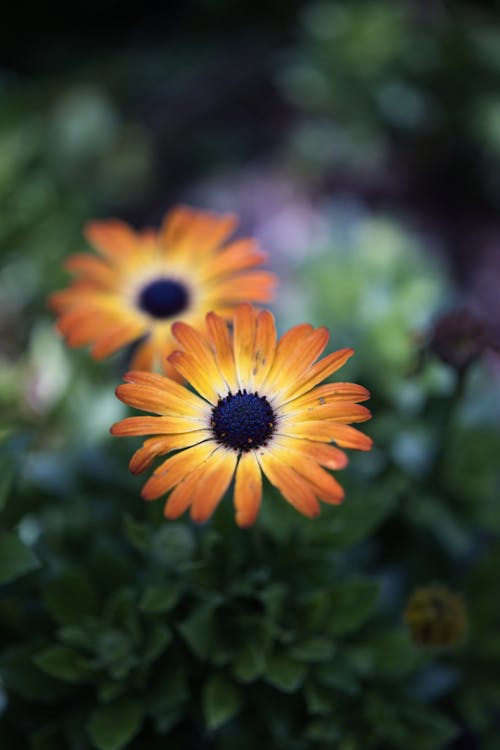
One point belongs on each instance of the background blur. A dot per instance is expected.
(360, 142)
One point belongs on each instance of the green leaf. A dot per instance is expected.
(428, 729)
(109, 689)
(115, 652)
(338, 676)
(284, 673)
(159, 598)
(314, 607)
(163, 723)
(21, 675)
(221, 700)
(394, 655)
(312, 650)
(174, 544)
(356, 520)
(323, 730)
(110, 566)
(198, 630)
(168, 691)
(318, 698)
(255, 635)
(352, 605)
(274, 596)
(138, 534)
(248, 662)
(121, 610)
(61, 662)
(7, 474)
(70, 596)
(16, 558)
(156, 641)
(113, 726)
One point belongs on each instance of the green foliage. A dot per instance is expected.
(121, 630)
(113, 726)
(16, 558)
(221, 700)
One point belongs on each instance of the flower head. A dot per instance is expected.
(257, 407)
(436, 616)
(460, 338)
(143, 281)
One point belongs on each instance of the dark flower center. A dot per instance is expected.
(163, 298)
(243, 421)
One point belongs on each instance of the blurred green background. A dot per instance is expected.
(360, 142)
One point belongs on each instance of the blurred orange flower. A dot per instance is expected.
(145, 280)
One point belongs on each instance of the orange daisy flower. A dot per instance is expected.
(145, 280)
(256, 408)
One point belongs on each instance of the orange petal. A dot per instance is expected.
(324, 484)
(247, 489)
(164, 402)
(349, 437)
(220, 339)
(181, 496)
(113, 238)
(296, 490)
(188, 231)
(325, 431)
(238, 256)
(159, 446)
(170, 399)
(170, 370)
(254, 286)
(174, 469)
(81, 325)
(152, 426)
(175, 225)
(189, 368)
(92, 268)
(296, 359)
(210, 490)
(244, 337)
(287, 346)
(115, 338)
(143, 357)
(198, 349)
(264, 349)
(323, 453)
(339, 411)
(150, 379)
(318, 372)
(82, 293)
(329, 393)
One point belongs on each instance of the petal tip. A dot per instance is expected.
(243, 521)
(119, 392)
(170, 514)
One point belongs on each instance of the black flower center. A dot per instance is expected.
(163, 298)
(243, 421)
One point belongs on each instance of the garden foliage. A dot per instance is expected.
(121, 630)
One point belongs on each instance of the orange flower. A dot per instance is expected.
(256, 408)
(145, 280)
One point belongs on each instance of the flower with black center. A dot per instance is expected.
(143, 281)
(436, 617)
(256, 407)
